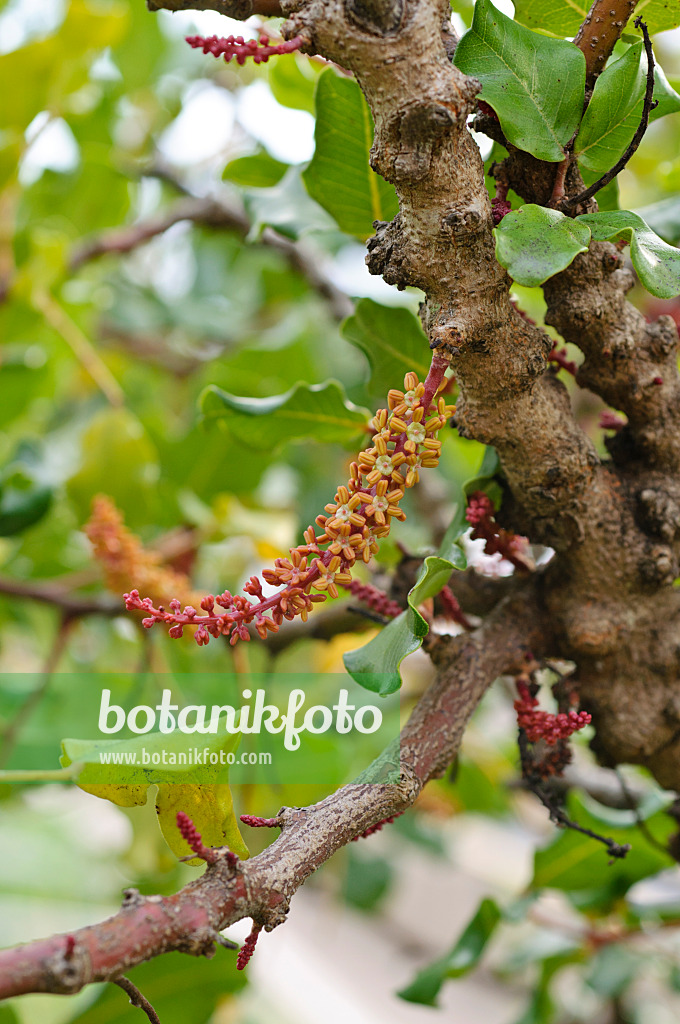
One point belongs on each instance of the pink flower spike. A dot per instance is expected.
(236, 46)
(255, 822)
(192, 837)
(248, 948)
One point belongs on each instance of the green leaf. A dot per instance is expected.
(118, 459)
(668, 100)
(663, 218)
(564, 17)
(180, 988)
(534, 243)
(339, 176)
(393, 341)
(196, 791)
(319, 411)
(464, 955)
(366, 881)
(292, 81)
(260, 170)
(536, 85)
(376, 665)
(25, 490)
(656, 263)
(614, 111)
(612, 970)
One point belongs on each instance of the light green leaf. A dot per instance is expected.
(292, 81)
(118, 458)
(536, 85)
(393, 341)
(465, 954)
(259, 170)
(667, 99)
(196, 790)
(339, 176)
(564, 17)
(534, 243)
(321, 411)
(663, 218)
(376, 665)
(656, 263)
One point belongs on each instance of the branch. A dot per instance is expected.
(73, 605)
(261, 888)
(647, 108)
(215, 213)
(240, 10)
(598, 34)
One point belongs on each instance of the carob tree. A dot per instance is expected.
(605, 600)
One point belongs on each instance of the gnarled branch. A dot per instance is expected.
(261, 888)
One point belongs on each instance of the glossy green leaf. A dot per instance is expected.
(26, 490)
(463, 957)
(536, 85)
(534, 243)
(319, 411)
(393, 341)
(339, 176)
(180, 988)
(614, 111)
(564, 17)
(260, 170)
(376, 665)
(657, 264)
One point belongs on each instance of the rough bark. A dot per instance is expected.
(261, 888)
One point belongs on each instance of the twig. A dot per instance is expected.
(80, 345)
(72, 605)
(216, 213)
(558, 815)
(54, 654)
(137, 999)
(647, 107)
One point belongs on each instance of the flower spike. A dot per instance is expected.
(404, 443)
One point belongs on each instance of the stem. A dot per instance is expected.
(599, 32)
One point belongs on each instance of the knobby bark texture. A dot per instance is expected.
(261, 888)
(613, 523)
(606, 600)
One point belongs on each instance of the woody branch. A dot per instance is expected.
(261, 888)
